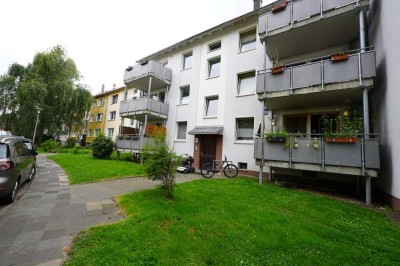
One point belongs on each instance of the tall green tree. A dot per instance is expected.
(50, 83)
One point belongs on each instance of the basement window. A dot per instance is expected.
(242, 166)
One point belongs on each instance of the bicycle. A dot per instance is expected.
(230, 170)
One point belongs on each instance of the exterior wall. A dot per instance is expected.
(94, 111)
(383, 22)
(230, 105)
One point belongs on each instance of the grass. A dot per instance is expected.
(84, 168)
(237, 222)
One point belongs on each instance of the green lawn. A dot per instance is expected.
(83, 168)
(235, 222)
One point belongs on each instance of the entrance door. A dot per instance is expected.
(208, 149)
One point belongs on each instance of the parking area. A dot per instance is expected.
(38, 228)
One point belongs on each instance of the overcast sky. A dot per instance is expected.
(103, 37)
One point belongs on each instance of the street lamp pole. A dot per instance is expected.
(37, 120)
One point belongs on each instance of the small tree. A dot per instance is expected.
(102, 147)
(160, 163)
(71, 142)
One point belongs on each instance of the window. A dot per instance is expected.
(248, 41)
(114, 99)
(99, 117)
(185, 92)
(242, 166)
(90, 133)
(112, 115)
(244, 128)
(214, 46)
(247, 83)
(182, 128)
(187, 60)
(212, 106)
(126, 96)
(100, 102)
(214, 67)
(21, 149)
(96, 132)
(110, 132)
(91, 118)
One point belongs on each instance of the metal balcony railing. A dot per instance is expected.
(320, 72)
(143, 105)
(132, 142)
(290, 12)
(149, 68)
(315, 150)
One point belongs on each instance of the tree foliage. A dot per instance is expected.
(51, 83)
(102, 147)
(160, 163)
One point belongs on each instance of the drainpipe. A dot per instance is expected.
(145, 117)
(260, 175)
(365, 106)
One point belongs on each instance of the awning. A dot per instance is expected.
(206, 131)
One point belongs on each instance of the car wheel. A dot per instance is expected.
(32, 174)
(13, 194)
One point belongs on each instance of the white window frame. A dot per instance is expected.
(211, 63)
(114, 99)
(97, 131)
(184, 57)
(100, 102)
(179, 128)
(241, 77)
(91, 118)
(108, 132)
(244, 48)
(99, 117)
(112, 115)
(247, 132)
(187, 98)
(207, 103)
(211, 49)
(89, 133)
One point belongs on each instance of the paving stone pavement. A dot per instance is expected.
(38, 228)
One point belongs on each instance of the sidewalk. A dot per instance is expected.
(39, 227)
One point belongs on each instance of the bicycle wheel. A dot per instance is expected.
(230, 171)
(206, 170)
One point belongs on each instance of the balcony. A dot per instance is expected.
(138, 108)
(138, 76)
(314, 24)
(131, 143)
(304, 81)
(315, 154)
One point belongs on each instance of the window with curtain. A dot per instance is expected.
(182, 128)
(247, 83)
(110, 132)
(244, 128)
(185, 93)
(248, 41)
(114, 98)
(112, 115)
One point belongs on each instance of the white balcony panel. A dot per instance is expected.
(307, 75)
(305, 9)
(332, 4)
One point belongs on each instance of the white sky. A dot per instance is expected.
(103, 37)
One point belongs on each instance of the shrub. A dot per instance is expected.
(102, 147)
(50, 146)
(71, 142)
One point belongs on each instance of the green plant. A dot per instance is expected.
(277, 134)
(160, 163)
(71, 142)
(50, 146)
(102, 147)
(348, 125)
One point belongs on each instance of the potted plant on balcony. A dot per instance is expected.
(277, 136)
(348, 127)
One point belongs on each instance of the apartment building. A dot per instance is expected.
(96, 117)
(314, 63)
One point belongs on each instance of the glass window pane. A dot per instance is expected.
(3, 151)
(247, 83)
(214, 68)
(214, 46)
(212, 107)
(187, 61)
(247, 41)
(182, 128)
(185, 92)
(245, 129)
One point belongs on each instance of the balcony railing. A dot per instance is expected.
(306, 149)
(321, 72)
(144, 105)
(150, 68)
(291, 12)
(124, 142)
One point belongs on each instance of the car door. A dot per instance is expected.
(24, 160)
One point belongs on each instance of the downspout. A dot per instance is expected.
(145, 117)
(260, 175)
(365, 108)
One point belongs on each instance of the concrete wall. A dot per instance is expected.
(384, 24)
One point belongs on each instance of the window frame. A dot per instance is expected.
(211, 62)
(239, 79)
(99, 115)
(244, 33)
(110, 116)
(184, 57)
(244, 138)
(178, 130)
(181, 94)
(207, 104)
(97, 131)
(210, 49)
(108, 132)
(114, 99)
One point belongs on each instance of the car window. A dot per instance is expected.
(22, 150)
(3, 151)
(28, 144)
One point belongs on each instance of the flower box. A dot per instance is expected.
(340, 140)
(340, 57)
(279, 7)
(277, 70)
(276, 139)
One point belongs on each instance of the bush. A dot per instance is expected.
(50, 146)
(102, 147)
(71, 142)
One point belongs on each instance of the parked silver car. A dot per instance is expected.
(17, 165)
